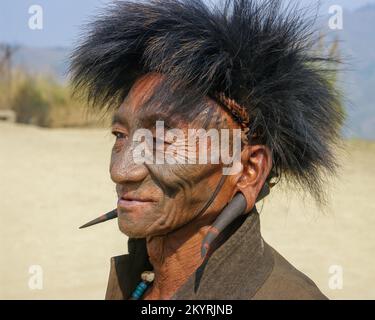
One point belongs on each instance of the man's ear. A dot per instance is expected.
(257, 164)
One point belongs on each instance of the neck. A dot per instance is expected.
(175, 257)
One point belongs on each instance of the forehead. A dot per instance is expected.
(139, 107)
(142, 108)
(142, 90)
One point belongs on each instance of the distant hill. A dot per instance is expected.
(53, 61)
(356, 43)
(359, 41)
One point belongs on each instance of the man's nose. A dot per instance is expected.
(123, 168)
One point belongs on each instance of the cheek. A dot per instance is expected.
(182, 191)
(186, 191)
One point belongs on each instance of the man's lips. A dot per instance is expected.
(129, 201)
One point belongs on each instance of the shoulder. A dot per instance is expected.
(285, 282)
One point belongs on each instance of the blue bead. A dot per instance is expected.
(143, 285)
(139, 290)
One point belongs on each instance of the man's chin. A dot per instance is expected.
(135, 229)
(139, 231)
(132, 232)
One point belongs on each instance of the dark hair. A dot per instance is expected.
(258, 53)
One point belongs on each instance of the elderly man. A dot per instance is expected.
(168, 68)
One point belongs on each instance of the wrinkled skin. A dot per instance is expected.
(162, 202)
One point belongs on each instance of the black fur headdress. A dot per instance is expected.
(258, 53)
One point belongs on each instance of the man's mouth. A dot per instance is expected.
(130, 201)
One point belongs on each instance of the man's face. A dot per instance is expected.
(154, 199)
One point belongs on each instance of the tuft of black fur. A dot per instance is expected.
(256, 52)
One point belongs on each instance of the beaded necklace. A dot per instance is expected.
(147, 278)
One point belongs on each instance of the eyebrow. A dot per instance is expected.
(147, 121)
(150, 120)
(118, 119)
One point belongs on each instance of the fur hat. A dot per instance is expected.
(258, 54)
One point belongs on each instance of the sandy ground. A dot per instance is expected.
(52, 181)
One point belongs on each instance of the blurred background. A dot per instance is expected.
(54, 158)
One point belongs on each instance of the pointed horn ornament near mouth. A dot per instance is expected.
(105, 217)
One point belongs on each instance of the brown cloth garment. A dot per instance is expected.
(243, 267)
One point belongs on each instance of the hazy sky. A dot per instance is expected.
(62, 19)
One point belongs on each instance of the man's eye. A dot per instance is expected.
(119, 135)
